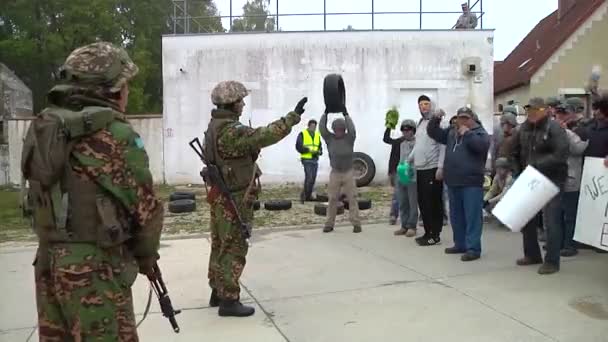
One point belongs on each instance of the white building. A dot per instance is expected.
(380, 69)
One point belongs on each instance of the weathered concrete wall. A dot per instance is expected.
(15, 97)
(380, 68)
(149, 127)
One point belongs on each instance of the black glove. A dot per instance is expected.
(485, 204)
(300, 106)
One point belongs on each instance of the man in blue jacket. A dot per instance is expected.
(465, 158)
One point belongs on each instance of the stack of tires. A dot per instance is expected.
(182, 202)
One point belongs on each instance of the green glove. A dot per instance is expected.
(392, 118)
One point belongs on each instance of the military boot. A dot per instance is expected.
(214, 301)
(234, 308)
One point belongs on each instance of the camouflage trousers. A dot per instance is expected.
(228, 248)
(83, 293)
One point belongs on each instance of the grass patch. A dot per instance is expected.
(12, 225)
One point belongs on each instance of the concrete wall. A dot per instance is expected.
(380, 68)
(571, 65)
(15, 97)
(520, 95)
(149, 127)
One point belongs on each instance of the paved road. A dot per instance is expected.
(310, 286)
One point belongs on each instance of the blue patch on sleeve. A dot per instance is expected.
(139, 143)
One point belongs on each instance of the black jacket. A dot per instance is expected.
(597, 134)
(393, 161)
(465, 156)
(545, 146)
(301, 149)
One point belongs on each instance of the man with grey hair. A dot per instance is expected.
(340, 145)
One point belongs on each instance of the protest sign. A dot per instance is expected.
(530, 192)
(592, 215)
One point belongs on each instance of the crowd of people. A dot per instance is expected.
(555, 138)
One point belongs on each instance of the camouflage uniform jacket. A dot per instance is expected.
(235, 140)
(115, 159)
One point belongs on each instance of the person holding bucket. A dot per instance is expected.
(466, 153)
(543, 144)
(406, 182)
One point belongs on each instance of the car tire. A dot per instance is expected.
(334, 93)
(321, 198)
(256, 205)
(182, 206)
(364, 169)
(363, 204)
(321, 209)
(277, 205)
(182, 195)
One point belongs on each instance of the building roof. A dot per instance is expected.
(540, 44)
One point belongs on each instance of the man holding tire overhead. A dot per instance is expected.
(234, 148)
(340, 145)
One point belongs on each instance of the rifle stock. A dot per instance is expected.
(211, 175)
(158, 285)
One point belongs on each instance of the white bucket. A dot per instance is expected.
(526, 197)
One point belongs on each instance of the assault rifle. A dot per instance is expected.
(212, 176)
(158, 285)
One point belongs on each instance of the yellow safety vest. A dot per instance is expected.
(307, 141)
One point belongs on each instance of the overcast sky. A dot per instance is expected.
(511, 19)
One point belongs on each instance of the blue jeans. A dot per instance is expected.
(569, 204)
(395, 203)
(310, 177)
(466, 205)
(408, 205)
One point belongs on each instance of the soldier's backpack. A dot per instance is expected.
(44, 161)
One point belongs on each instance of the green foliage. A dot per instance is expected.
(255, 17)
(37, 35)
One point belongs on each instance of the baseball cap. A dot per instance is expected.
(466, 111)
(535, 103)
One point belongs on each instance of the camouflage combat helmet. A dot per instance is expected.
(228, 92)
(99, 64)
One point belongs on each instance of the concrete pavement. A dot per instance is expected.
(310, 286)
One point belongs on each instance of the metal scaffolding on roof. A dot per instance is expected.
(183, 22)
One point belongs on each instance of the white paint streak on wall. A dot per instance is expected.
(149, 127)
(378, 67)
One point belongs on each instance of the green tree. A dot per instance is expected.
(256, 17)
(37, 35)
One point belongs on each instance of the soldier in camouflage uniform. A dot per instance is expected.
(467, 20)
(85, 267)
(234, 148)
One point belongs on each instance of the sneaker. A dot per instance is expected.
(525, 261)
(392, 221)
(568, 252)
(410, 233)
(430, 241)
(548, 268)
(357, 229)
(401, 231)
(328, 229)
(469, 257)
(454, 250)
